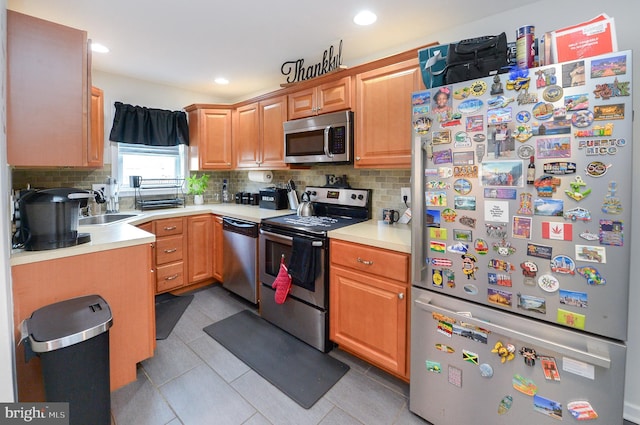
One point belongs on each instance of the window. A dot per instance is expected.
(150, 162)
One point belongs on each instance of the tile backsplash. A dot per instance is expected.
(385, 184)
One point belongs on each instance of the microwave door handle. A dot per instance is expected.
(327, 132)
(424, 303)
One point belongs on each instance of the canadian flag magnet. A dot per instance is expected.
(557, 231)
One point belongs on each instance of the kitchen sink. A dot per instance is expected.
(104, 219)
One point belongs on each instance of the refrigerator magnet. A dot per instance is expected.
(547, 407)
(433, 366)
(445, 348)
(505, 404)
(470, 356)
(486, 371)
(504, 248)
(529, 355)
(481, 246)
(581, 410)
(469, 267)
(455, 376)
(499, 297)
(571, 319)
(524, 385)
(531, 303)
(505, 352)
(549, 368)
(548, 283)
(592, 275)
(563, 264)
(462, 186)
(574, 298)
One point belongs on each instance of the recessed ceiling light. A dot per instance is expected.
(365, 17)
(99, 48)
(221, 80)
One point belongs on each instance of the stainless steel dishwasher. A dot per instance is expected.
(241, 258)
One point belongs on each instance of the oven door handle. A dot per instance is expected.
(272, 235)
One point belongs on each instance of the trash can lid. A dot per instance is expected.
(67, 323)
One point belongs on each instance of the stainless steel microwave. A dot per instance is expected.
(326, 138)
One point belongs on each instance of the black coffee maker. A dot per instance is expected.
(48, 218)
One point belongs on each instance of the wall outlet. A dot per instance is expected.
(405, 191)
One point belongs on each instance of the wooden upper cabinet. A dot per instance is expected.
(95, 153)
(246, 135)
(48, 93)
(258, 135)
(209, 138)
(328, 97)
(383, 115)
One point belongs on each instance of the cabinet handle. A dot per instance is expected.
(169, 251)
(174, 277)
(357, 158)
(401, 296)
(170, 228)
(365, 262)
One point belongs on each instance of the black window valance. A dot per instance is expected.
(148, 126)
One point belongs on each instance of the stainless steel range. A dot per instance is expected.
(305, 313)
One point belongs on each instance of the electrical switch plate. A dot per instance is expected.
(405, 191)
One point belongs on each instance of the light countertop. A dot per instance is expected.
(396, 237)
(124, 233)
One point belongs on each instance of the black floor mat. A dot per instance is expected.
(169, 309)
(297, 369)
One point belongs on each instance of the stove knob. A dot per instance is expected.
(314, 193)
(353, 196)
(360, 197)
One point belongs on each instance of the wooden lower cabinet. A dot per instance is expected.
(200, 242)
(123, 277)
(369, 304)
(170, 253)
(188, 251)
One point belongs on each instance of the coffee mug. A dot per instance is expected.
(390, 216)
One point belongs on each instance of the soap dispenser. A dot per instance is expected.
(226, 195)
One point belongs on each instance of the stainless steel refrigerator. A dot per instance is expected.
(521, 205)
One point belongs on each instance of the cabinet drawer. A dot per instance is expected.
(169, 249)
(380, 262)
(169, 226)
(169, 276)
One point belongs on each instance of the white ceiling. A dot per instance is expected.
(188, 43)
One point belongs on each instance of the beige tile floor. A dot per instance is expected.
(193, 380)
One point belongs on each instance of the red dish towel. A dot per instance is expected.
(282, 284)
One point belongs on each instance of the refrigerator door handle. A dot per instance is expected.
(424, 303)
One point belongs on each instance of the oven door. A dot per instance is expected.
(275, 244)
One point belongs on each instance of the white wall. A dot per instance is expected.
(142, 93)
(7, 393)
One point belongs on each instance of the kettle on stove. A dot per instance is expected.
(305, 208)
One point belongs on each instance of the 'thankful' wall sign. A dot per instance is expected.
(295, 71)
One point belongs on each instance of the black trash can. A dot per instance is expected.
(72, 340)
